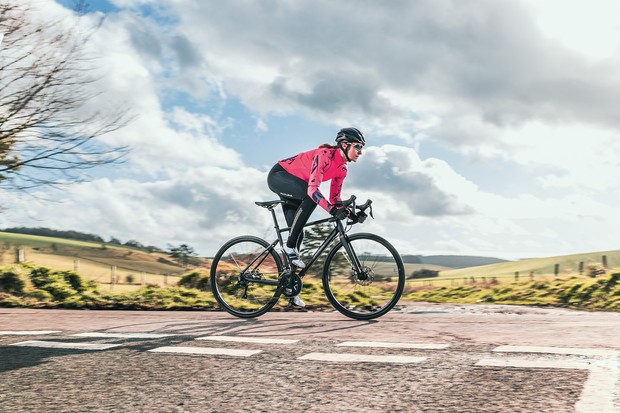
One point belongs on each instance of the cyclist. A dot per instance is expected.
(296, 180)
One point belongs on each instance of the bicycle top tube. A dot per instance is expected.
(309, 224)
(271, 205)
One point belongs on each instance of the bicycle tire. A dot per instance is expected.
(370, 294)
(239, 287)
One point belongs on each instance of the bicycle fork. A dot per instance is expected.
(355, 262)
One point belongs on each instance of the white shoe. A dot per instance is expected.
(293, 256)
(298, 302)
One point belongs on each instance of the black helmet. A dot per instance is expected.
(352, 135)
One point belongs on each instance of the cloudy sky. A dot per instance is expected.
(492, 126)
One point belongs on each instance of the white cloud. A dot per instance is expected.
(590, 28)
(502, 86)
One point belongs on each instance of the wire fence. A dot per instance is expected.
(581, 268)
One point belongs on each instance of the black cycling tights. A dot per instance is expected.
(298, 207)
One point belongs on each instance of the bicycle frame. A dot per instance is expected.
(338, 230)
(250, 289)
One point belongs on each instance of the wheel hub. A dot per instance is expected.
(364, 277)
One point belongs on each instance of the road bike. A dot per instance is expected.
(363, 275)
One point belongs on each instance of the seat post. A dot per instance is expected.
(276, 225)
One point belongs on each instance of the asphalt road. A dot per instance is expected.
(419, 358)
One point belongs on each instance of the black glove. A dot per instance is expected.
(340, 212)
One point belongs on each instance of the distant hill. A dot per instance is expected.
(459, 261)
(76, 235)
(47, 232)
(451, 261)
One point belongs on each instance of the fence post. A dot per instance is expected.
(605, 262)
(580, 267)
(516, 275)
(556, 269)
(112, 276)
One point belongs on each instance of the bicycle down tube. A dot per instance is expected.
(338, 230)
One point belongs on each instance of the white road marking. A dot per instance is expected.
(64, 345)
(599, 390)
(255, 340)
(123, 335)
(205, 351)
(363, 358)
(534, 364)
(383, 344)
(27, 332)
(558, 350)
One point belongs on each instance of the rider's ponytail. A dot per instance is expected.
(328, 145)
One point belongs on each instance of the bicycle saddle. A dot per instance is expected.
(269, 204)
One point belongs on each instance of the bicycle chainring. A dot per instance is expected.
(291, 285)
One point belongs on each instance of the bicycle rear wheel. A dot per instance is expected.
(244, 276)
(368, 293)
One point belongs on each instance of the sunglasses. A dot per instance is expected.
(358, 147)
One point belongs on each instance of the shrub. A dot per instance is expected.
(189, 280)
(60, 285)
(12, 283)
(594, 270)
(73, 279)
(194, 280)
(7, 300)
(39, 295)
(425, 273)
(59, 289)
(203, 284)
(40, 276)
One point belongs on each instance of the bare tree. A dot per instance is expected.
(47, 136)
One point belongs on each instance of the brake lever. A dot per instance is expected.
(368, 205)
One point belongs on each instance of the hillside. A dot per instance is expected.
(567, 264)
(94, 261)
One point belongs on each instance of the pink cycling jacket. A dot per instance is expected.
(317, 166)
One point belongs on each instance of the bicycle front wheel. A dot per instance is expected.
(372, 290)
(244, 276)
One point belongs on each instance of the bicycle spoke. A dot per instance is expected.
(370, 290)
(244, 276)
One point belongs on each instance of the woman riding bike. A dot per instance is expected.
(296, 180)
